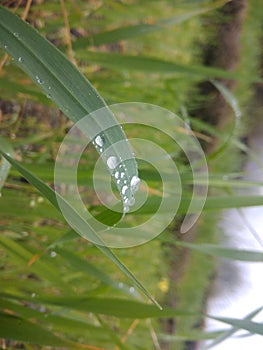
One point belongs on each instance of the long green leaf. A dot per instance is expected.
(154, 65)
(121, 308)
(5, 165)
(224, 252)
(60, 323)
(68, 88)
(232, 331)
(16, 328)
(137, 30)
(252, 327)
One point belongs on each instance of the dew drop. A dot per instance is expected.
(125, 209)
(135, 182)
(20, 59)
(16, 35)
(5, 46)
(99, 141)
(32, 203)
(39, 81)
(100, 150)
(53, 254)
(120, 285)
(132, 289)
(33, 295)
(124, 189)
(48, 95)
(131, 201)
(118, 182)
(116, 175)
(40, 199)
(112, 162)
(122, 175)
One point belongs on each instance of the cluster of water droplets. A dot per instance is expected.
(127, 185)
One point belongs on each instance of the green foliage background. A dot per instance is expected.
(57, 289)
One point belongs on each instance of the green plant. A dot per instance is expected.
(50, 302)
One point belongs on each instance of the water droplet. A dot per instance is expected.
(125, 182)
(53, 254)
(131, 201)
(125, 209)
(40, 199)
(32, 203)
(5, 46)
(122, 175)
(112, 162)
(20, 59)
(99, 141)
(132, 289)
(16, 35)
(48, 95)
(33, 295)
(116, 175)
(135, 182)
(120, 285)
(39, 81)
(118, 182)
(124, 189)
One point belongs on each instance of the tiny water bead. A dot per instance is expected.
(117, 174)
(132, 290)
(39, 80)
(126, 208)
(20, 59)
(53, 254)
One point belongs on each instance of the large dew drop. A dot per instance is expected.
(135, 182)
(99, 141)
(112, 162)
(124, 189)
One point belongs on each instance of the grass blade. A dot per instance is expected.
(50, 194)
(226, 253)
(121, 308)
(27, 331)
(65, 85)
(5, 165)
(252, 327)
(232, 331)
(154, 65)
(135, 31)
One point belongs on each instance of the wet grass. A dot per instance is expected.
(48, 283)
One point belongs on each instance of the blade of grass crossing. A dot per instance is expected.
(49, 194)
